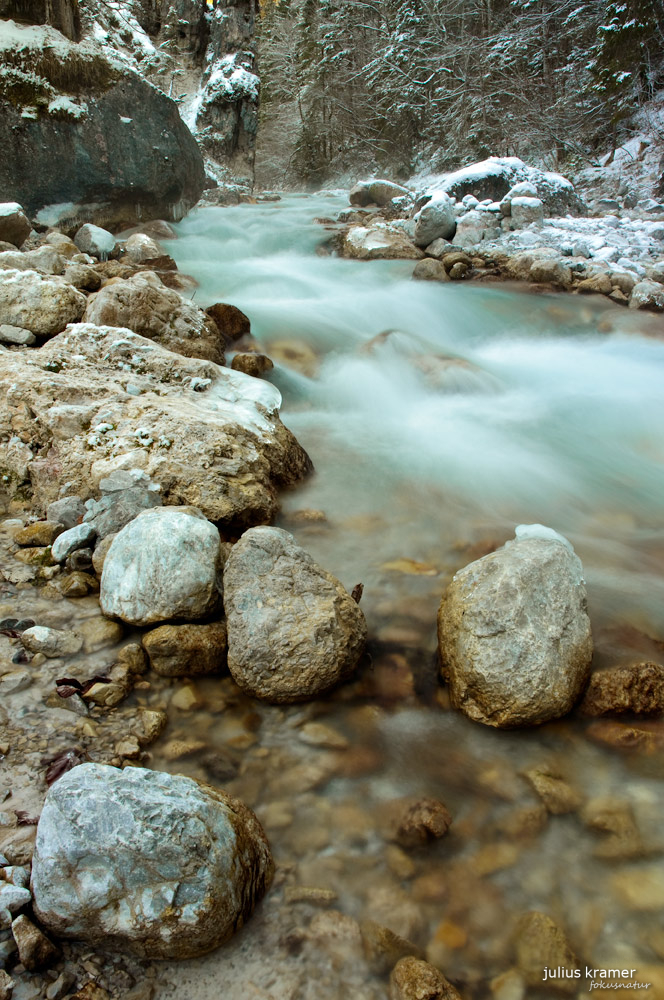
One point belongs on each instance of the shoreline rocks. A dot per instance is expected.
(164, 564)
(152, 863)
(514, 634)
(293, 630)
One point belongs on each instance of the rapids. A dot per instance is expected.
(482, 408)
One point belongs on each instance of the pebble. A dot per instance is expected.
(413, 979)
(383, 948)
(15, 681)
(317, 734)
(640, 888)
(557, 795)
(51, 642)
(187, 698)
(420, 822)
(306, 894)
(61, 986)
(35, 950)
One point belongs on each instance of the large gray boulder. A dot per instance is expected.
(379, 241)
(144, 305)
(153, 863)
(436, 220)
(293, 631)
(42, 305)
(496, 177)
(164, 564)
(514, 634)
(122, 151)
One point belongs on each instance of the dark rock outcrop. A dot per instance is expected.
(119, 144)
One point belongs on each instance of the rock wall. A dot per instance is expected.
(122, 151)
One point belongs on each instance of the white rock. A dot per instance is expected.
(164, 564)
(95, 241)
(13, 897)
(80, 536)
(526, 210)
(16, 335)
(647, 295)
(436, 220)
(514, 634)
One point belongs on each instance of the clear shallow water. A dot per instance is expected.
(485, 408)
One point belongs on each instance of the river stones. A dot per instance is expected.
(376, 192)
(164, 564)
(436, 220)
(514, 634)
(186, 650)
(142, 304)
(413, 979)
(153, 863)
(293, 631)
(379, 241)
(637, 688)
(42, 305)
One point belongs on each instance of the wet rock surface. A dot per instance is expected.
(293, 631)
(164, 564)
(162, 865)
(514, 634)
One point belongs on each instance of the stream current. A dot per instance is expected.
(439, 417)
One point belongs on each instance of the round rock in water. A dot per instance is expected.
(514, 634)
(293, 631)
(164, 564)
(153, 863)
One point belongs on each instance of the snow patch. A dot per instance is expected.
(526, 532)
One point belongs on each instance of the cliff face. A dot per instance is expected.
(113, 113)
(84, 136)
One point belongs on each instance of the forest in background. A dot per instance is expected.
(406, 85)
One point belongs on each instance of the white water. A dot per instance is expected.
(556, 417)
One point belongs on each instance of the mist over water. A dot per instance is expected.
(482, 407)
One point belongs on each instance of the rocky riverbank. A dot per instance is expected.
(501, 219)
(183, 685)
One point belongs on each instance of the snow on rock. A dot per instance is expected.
(227, 81)
(222, 449)
(14, 224)
(493, 178)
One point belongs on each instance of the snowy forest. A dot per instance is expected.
(408, 84)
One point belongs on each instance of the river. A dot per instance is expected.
(439, 417)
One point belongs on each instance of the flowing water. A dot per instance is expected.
(438, 418)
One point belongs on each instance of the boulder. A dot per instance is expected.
(497, 176)
(147, 862)
(44, 260)
(647, 294)
(67, 511)
(293, 631)
(475, 226)
(436, 220)
(376, 192)
(164, 564)
(525, 210)
(81, 536)
(122, 151)
(144, 305)
(14, 224)
(123, 402)
(380, 241)
(187, 650)
(637, 689)
(82, 276)
(513, 632)
(41, 305)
